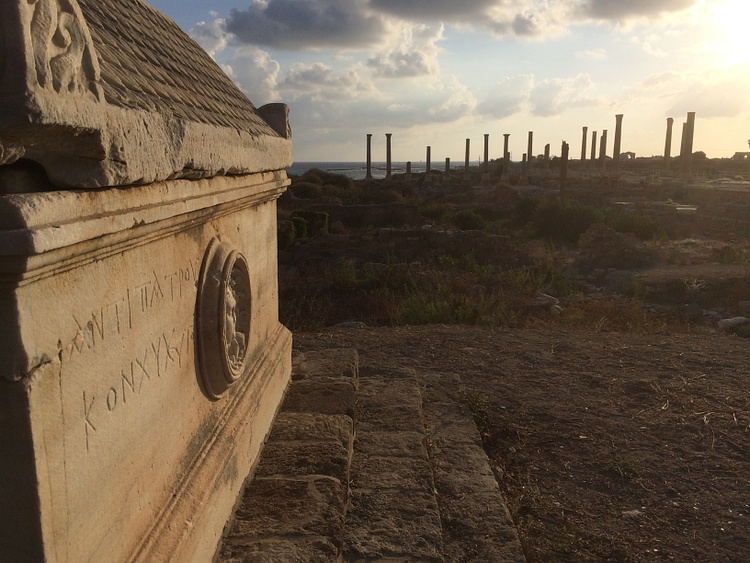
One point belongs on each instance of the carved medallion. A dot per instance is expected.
(222, 318)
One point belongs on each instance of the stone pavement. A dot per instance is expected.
(371, 464)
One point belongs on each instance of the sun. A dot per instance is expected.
(731, 23)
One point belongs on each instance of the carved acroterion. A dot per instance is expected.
(64, 56)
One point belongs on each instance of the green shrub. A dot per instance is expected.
(306, 190)
(565, 222)
(731, 255)
(328, 178)
(286, 234)
(300, 226)
(435, 211)
(344, 273)
(315, 221)
(525, 208)
(443, 304)
(642, 226)
(468, 220)
(312, 176)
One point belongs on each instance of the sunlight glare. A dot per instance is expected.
(731, 22)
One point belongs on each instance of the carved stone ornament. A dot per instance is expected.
(64, 55)
(223, 316)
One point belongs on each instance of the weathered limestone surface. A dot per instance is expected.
(110, 92)
(143, 361)
(294, 507)
(102, 399)
(418, 485)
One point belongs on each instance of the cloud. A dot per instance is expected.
(592, 54)
(618, 10)
(528, 18)
(256, 73)
(660, 79)
(348, 101)
(439, 10)
(414, 54)
(508, 97)
(529, 24)
(648, 45)
(299, 24)
(553, 96)
(210, 35)
(714, 95)
(321, 83)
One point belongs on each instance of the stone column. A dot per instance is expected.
(682, 141)
(530, 150)
(686, 157)
(368, 176)
(546, 155)
(486, 153)
(388, 169)
(583, 143)
(506, 152)
(668, 142)
(468, 156)
(408, 171)
(564, 167)
(618, 140)
(603, 149)
(593, 146)
(428, 166)
(447, 165)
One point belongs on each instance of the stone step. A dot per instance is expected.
(293, 508)
(371, 464)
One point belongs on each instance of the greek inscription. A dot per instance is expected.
(150, 292)
(105, 323)
(127, 383)
(174, 353)
(159, 358)
(88, 426)
(142, 363)
(115, 319)
(156, 349)
(181, 280)
(111, 399)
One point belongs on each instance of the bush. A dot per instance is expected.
(468, 220)
(435, 211)
(386, 196)
(300, 226)
(642, 226)
(731, 255)
(565, 222)
(286, 234)
(315, 222)
(306, 190)
(328, 178)
(525, 208)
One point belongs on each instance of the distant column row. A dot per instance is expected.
(686, 148)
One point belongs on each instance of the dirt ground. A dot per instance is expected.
(608, 447)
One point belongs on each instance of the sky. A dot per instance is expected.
(438, 72)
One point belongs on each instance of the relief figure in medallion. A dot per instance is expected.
(235, 339)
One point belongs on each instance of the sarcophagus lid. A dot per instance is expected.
(111, 93)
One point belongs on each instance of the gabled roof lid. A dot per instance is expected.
(111, 92)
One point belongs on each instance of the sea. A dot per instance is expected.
(355, 170)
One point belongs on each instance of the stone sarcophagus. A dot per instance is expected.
(141, 356)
